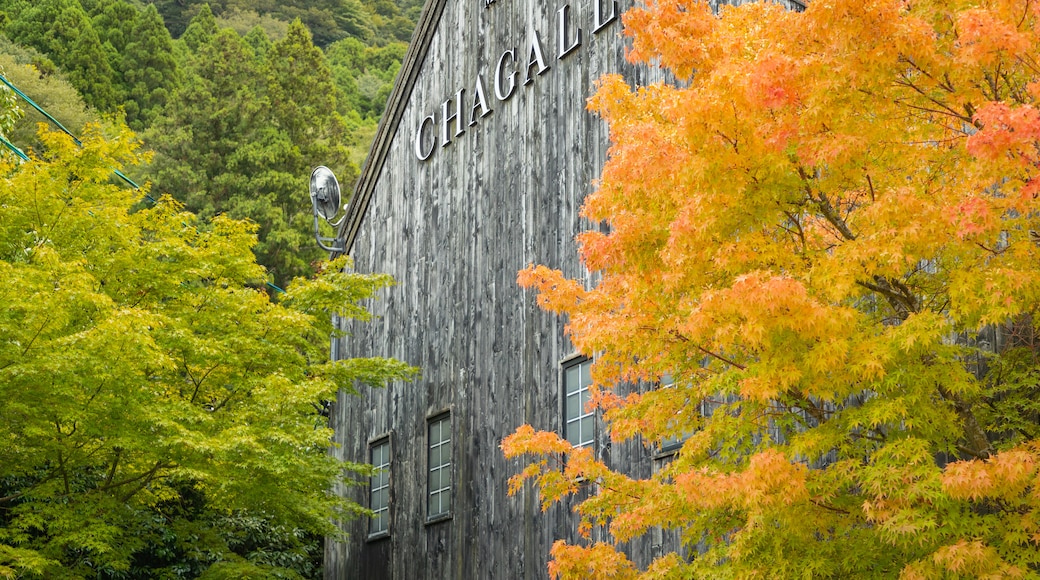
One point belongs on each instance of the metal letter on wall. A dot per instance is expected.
(446, 119)
(419, 139)
(479, 102)
(499, 93)
(565, 20)
(598, 12)
(534, 57)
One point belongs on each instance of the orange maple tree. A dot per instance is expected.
(828, 234)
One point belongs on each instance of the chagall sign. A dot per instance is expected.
(465, 109)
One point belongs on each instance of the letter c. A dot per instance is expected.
(427, 121)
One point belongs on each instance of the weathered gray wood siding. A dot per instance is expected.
(454, 230)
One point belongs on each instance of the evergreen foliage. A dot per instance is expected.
(259, 39)
(200, 29)
(245, 22)
(139, 50)
(62, 30)
(373, 22)
(148, 70)
(243, 135)
(365, 74)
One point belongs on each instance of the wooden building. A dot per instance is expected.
(484, 155)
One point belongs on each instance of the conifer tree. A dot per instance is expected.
(62, 30)
(303, 129)
(242, 136)
(114, 22)
(150, 71)
(301, 90)
(200, 29)
(258, 40)
(216, 112)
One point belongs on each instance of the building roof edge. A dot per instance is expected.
(391, 119)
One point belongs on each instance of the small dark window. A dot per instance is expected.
(440, 467)
(379, 455)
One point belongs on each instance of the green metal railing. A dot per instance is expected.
(57, 124)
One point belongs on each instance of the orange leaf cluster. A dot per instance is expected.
(1006, 476)
(770, 480)
(597, 561)
(812, 232)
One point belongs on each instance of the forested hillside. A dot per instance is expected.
(374, 22)
(238, 99)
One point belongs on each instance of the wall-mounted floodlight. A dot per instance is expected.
(325, 199)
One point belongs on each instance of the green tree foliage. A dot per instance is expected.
(62, 30)
(306, 129)
(302, 94)
(140, 51)
(114, 22)
(156, 402)
(243, 135)
(121, 57)
(176, 14)
(49, 90)
(27, 55)
(11, 9)
(259, 39)
(216, 111)
(389, 22)
(365, 74)
(200, 30)
(139, 72)
(349, 19)
(150, 72)
(236, 141)
(329, 20)
(9, 111)
(245, 22)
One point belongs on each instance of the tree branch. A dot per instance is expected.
(39, 331)
(978, 444)
(946, 109)
(708, 352)
(823, 203)
(198, 383)
(151, 476)
(800, 233)
(948, 87)
(115, 465)
(820, 504)
(902, 304)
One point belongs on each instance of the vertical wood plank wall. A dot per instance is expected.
(454, 231)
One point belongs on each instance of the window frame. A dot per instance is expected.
(376, 442)
(577, 361)
(441, 418)
(667, 449)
